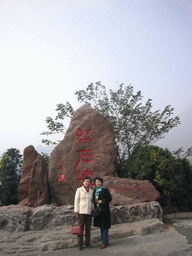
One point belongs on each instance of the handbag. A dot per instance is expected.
(76, 229)
(97, 212)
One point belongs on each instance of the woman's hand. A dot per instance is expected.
(100, 202)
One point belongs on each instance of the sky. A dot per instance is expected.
(51, 48)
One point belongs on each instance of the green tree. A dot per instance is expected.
(171, 176)
(56, 125)
(134, 123)
(10, 174)
(181, 154)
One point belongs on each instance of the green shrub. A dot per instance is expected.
(171, 176)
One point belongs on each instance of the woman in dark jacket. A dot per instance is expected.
(102, 198)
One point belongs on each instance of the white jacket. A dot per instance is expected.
(83, 201)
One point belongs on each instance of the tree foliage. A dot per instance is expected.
(10, 174)
(171, 176)
(134, 123)
(181, 154)
(54, 126)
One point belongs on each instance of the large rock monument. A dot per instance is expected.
(88, 149)
(33, 188)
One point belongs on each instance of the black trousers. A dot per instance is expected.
(84, 220)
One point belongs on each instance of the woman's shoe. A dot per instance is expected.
(80, 247)
(103, 246)
(88, 246)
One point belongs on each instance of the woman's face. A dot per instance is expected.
(86, 183)
(98, 183)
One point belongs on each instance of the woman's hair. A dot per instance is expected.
(86, 178)
(98, 178)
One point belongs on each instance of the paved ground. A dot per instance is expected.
(147, 238)
(175, 240)
(169, 243)
(55, 240)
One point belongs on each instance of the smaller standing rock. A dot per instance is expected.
(33, 188)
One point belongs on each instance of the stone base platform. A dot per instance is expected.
(16, 218)
(40, 242)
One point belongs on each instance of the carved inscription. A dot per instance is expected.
(80, 134)
(61, 175)
(84, 155)
(118, 188)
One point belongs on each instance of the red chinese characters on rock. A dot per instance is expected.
(82, 174)
(143, 188)
(80, 133)
(61, 176)
(84, 155)
(136, 187)
(123, 188)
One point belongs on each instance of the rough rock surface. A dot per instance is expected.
(33, 188)
(17, 218)
(49, 241)
(129, 191)
(135, 212)
(88, 149)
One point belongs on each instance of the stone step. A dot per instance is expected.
(35, 242)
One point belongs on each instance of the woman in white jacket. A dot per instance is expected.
(82, 207)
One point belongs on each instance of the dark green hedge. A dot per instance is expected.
(171, 176)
